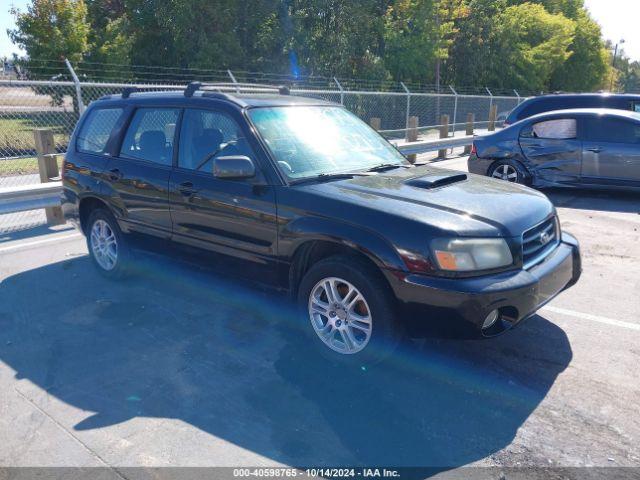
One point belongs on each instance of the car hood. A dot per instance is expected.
(462, 203)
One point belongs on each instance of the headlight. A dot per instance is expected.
(469, 254)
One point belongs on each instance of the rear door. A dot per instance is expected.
(611, 153)
(552, 149)
(139, 174)
(236, 218)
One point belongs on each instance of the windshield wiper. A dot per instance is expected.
(330, 176)
(387, 166)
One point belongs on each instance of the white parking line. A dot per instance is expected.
(594, 318)
(36, 243)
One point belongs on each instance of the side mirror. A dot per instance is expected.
(235, 166)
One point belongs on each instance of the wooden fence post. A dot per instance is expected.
(469, 131)
(493, 114)
(375, 123)
(412, 135)
(48, 168)
(444, 133)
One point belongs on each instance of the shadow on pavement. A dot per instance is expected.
(177, 343)
(606, 201)
(30, 232)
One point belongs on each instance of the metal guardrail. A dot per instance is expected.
(43, 195)
(30, 197)
(423, 146)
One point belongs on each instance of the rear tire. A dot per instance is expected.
(509, 171)
(107, 247)
(348, 311)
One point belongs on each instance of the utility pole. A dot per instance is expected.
(613, 63)
(438, 59)
(438, 49)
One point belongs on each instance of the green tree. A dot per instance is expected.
(52, 29)
(411, 39)
(528, 45)
(471, 52)
(627, 74)
(588, 66)
(334, 37)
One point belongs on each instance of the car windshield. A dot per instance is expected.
(308, 141)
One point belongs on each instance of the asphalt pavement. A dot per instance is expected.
(179, 367)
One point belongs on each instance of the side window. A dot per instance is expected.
(150, 135)
(612, 130)
(558, 129)
(96, 129)
(636, 107)
(207, 134)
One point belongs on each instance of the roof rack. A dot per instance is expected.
(127, 91)
(237, 87)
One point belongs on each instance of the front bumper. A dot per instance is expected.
(461, 304)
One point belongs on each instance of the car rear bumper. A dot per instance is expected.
(464, 303)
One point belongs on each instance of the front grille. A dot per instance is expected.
(539, 241)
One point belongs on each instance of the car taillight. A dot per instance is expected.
(474, 150)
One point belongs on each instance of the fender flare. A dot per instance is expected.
(367, 242)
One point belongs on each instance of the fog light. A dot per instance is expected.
(490, 319)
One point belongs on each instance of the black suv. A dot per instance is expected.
(303, 195)
(565, 101)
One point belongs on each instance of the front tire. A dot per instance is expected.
(509, 171)
(107, 247)
(348, 311)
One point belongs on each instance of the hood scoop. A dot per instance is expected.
(436, 180)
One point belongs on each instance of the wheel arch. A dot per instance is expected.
(88, 204)
(338, 239)
(498, 161)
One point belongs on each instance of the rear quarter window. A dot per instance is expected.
(150, 135)
(96, 130)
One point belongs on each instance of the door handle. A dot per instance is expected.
(186, 189)
(595, 149)
(115, 174)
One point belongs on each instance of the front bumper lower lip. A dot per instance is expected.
(517, 294)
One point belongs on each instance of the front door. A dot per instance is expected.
(236, 218)
(611, 153)
(553, 150)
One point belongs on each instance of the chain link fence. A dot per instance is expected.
(26, 105)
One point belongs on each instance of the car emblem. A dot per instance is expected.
(545, 238)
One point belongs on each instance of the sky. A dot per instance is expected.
(618, 18)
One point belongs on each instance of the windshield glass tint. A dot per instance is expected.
(309, 141)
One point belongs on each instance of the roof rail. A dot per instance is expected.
(127, 91)
(230, 87)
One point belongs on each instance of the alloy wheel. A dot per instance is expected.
(506, 172)
(104, 244)
(340, 315)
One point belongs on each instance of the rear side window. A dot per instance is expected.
(96, 129)
(612, 130)
(558, 129)
(150, 135)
